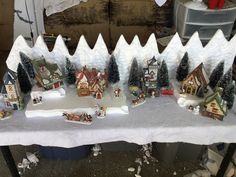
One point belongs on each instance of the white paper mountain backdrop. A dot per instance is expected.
(218, 49)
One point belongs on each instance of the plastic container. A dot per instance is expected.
(59, 153)
(207, 31)
(206, 22)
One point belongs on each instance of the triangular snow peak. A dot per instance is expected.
(60, 46)
(82, 55)
(120, 45)
(171, 54)
(60, 52)
(195, 51)
(215, 51)
(40, 48)
(100, 54)
(13, 58)
(150, 50)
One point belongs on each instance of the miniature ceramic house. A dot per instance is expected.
(91, 82)
(214, 106)
(195, 81)
(48, 75)
(150, 76)
(13, 97)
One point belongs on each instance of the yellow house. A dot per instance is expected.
(214, 106)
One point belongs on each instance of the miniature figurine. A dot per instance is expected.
(139, 101)
(167, 91)
(117, 92)
(214, 106)
(36, 98)
(5, 114)
(100, 111)
(47, 74)
(196, 110)
(150, 77)
(90, 82)
(83, 118)
(11, 91)
(196, 81)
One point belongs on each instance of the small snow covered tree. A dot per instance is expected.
(225, 80)
(183, 68)
(70, 72)
(134, 75)
(216, 75)
(113, 71)
(24, 82)
(28, 66)
(162, 76)
(228, 94)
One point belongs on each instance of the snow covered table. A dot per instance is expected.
(158, 120)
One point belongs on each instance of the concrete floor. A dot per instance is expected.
(108, 164)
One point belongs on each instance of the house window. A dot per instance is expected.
(213, 104)
(214, 110)
(10, 88)
(12, 96)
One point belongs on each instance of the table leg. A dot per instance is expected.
(10, 161)
(225, 162)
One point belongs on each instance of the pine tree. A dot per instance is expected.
(70, 72)
(113, 71)
(216, 75)
(162, 76)
(134, 76)
(183, 68)
(23, 78)
(225, 80)
(228, 94)
(28, 66)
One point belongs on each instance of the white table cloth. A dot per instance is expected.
(158, 120)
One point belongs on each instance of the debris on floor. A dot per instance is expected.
(30, 160)
(199, 173)
(175, 173)
(131, 169)
(96, 150)
(144, 157)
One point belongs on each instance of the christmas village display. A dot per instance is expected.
(78, 90)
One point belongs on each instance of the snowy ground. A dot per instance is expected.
(71, 102)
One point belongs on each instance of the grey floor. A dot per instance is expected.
(109, 164)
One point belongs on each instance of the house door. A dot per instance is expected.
(99, 96)
(15, 107)
(189, 90)
(56, 85)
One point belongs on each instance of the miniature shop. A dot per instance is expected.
(156, 75)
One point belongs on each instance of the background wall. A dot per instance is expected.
(6, 32)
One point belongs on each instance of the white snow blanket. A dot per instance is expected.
(54, 6)
(158, 120)
(218, 49)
